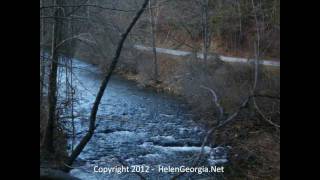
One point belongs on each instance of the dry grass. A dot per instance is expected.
(255, 152)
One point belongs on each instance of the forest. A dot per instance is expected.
(149, 85)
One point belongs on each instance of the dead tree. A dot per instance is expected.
(102, 88)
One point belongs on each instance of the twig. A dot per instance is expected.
(75, 37)
(262, 115)
(215, 100)
(267, 96)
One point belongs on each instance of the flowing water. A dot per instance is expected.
(135, 126)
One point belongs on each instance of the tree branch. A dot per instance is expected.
(102, 88)
(74, 37)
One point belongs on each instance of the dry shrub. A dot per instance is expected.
(145, 69)
(168, 71)
(255, 152)
(230, 82)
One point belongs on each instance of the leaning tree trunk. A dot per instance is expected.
(102, 88)
(52, 90)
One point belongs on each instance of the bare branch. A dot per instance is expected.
(89, 5)
(215, 100)
(75, 37)
(262, 115)
(102, 7)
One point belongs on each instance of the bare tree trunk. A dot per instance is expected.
(205, 29)
(256, 43)
(42, 60)
(256, 55)
(52, 90)
(240, 22)
(102, 88)
(153, 34)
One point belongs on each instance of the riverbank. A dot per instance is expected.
(255, 142)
